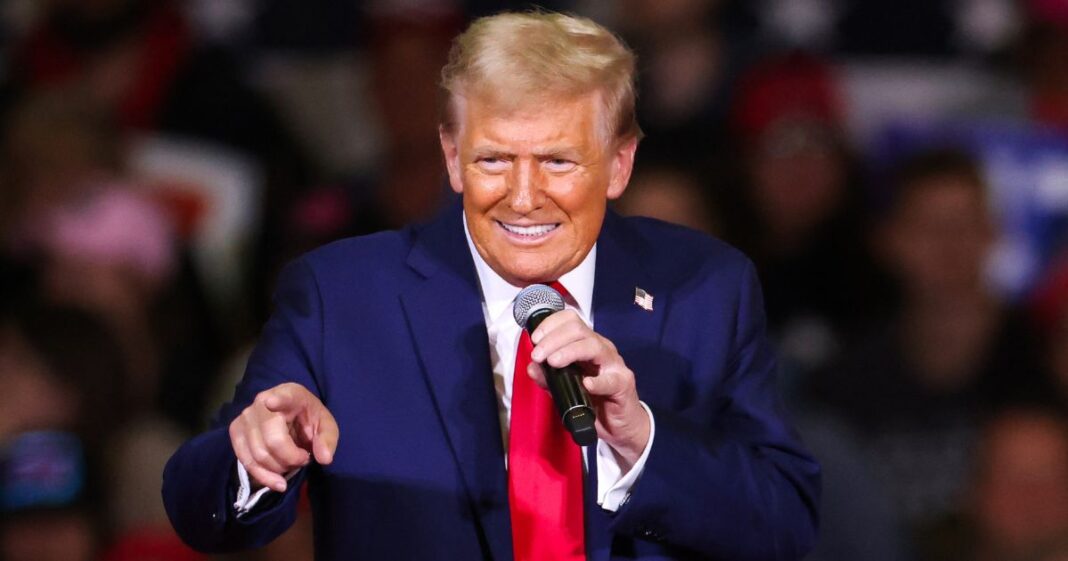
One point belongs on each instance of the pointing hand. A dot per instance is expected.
(283, 429)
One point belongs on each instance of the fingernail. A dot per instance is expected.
(536, 354)
(281, 487)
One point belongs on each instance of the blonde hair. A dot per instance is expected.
(516, 59)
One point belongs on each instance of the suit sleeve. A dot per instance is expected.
(199, 481)
(730, 481)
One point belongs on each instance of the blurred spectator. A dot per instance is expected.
(48, 506)
(1017, 508)
(916, 389)
(139, 528)
(1021, 490)
(97, 244)
(858, 518)
(754, 153)
(409, 46)
(800, 215)
(63, 394)
(669, 193)
(139, 59)
(688, 62)
(60, 370)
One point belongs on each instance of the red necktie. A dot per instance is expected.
(544, 472)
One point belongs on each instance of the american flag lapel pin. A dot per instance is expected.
(643, 299)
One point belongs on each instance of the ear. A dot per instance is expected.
(450, 148)
(622, 165)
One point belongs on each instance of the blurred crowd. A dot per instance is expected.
(897, 169)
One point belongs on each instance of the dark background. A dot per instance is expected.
(897, 169)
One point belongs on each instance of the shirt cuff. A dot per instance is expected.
(613, 486)
(246, 499)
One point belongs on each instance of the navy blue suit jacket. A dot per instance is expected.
(388, 331)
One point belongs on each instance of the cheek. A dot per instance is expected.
(482, 193)
(586, 214)
(582, 196)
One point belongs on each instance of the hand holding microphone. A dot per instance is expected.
(570, 359)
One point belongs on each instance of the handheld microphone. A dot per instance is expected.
(533, 304)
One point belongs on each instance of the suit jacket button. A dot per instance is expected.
(650, 533)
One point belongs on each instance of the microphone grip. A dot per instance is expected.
(572, 402)
(565, 386)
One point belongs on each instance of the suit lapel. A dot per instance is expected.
(449, 331)
(444, 311)
(620, 270)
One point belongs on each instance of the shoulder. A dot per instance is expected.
(358, 261)
(378, 247)
(678, 254)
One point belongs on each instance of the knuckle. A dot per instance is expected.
(274, 440)
(574, 328)
(261, 455)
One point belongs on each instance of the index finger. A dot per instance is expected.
(553, 322)
(288, 399)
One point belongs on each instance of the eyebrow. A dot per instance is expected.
(546, 153)
(551, 152)
(491, 152)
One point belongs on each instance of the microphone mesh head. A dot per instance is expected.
(533, 298)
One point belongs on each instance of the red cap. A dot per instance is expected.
(794, 86)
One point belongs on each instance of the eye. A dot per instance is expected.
(492, 164)
(559, 165)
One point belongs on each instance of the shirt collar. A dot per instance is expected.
(498, 294)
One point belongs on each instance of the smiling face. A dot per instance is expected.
(535, 183)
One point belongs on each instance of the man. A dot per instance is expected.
(385, 376)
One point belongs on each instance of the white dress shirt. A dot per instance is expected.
(613, 486)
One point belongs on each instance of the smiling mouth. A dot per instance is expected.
(531, 232)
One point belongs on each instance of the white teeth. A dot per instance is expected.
(539, 230)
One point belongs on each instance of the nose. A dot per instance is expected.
(526, 190)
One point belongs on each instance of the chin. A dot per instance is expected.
(524, 276)
(524, 279)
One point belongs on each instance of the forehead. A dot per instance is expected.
(531, 118)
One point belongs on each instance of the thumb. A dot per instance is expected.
(325, 440)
